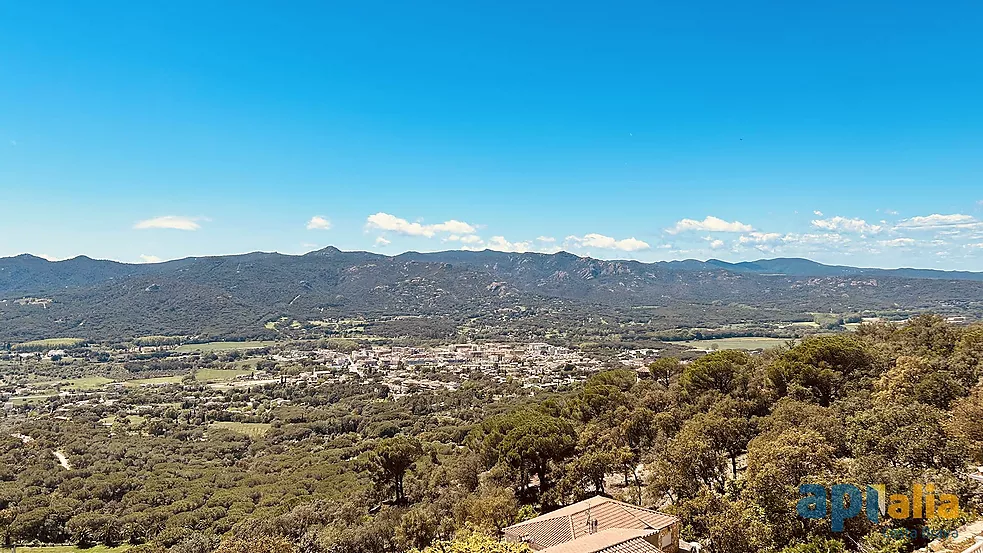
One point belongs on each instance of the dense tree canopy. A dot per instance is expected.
(723, 441)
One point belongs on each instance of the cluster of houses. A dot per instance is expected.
(405, 369)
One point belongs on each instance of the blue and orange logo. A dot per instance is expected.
(847, 501)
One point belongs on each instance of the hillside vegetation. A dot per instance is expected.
(437, 295)
(723, 442)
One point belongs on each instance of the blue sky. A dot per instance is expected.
(844, 132)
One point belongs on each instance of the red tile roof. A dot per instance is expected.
(571, 523)
(614, 540)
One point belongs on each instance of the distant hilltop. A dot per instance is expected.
(236, 295)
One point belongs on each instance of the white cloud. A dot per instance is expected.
(897, 242)
(473, 242)
(890, 212)
(454, 226)
(381, 241)
(710, 224)
(547, 239)
(715, 243)
(936, 221)
(499, 243)
(466, 239)
(817, 213)
(594, 240)
(825, 238)
(385, 221)
(47, 257)
(176, 222)
(760, 237)
(150, 258)
(846, 225)
(318, 223)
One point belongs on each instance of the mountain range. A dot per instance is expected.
(236, 295)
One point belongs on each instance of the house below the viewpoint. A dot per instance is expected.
(601, 525)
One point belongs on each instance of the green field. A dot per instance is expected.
(159, 340)
(154, 381)
(68, 549)
(223, 346)
(251, 429)
(31, 400)
(50, 343)
(219, 375)
(83, 383)
(752, 342)
(86, 383)
(135, 420)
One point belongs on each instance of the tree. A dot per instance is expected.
(422, 524)
(596, 457)
(724, 525)
(730, 428)
(721, 371)
(690, 460)
(7, 516)
(817, 545)
(821, 368)
(390, 459)
(967, 360)
(928, 333)
(880, 542)
(777, 464)
(603, 394)
(918, 379)
(967, 422)
(637, 429)
(90, 528)
(908, 435)
(789, 414)
(529, 442)
(665, 369)
(475, 542)
(255, 544)
(492, 509)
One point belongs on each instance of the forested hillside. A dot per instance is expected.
(723, 442)
(236, 296)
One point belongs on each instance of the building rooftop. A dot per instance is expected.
(588, 519)
(613, 540)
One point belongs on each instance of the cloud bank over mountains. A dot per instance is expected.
(820, 235)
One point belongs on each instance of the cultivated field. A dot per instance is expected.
(86, 383)
(134, 420)
(48, 344)
(154, 381)
(223, 346)
(736, 343)
(251, 429)
(219, 375)
(31, 400)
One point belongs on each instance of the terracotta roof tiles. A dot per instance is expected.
(590, 522)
